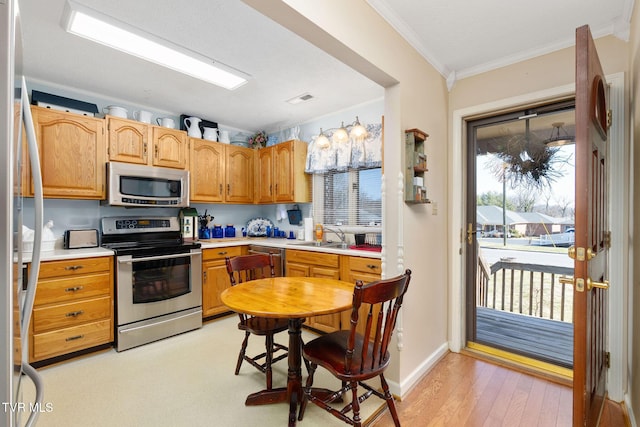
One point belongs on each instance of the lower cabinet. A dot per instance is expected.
(73, 307)
(215, 278)
(354, 268)
(343, 267)
(315, 264)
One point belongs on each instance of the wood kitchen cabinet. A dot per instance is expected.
(315, 264)
(239, 174)
(280, 175)
(215, 278)
(207, 161)
(353, 268)
(73, 153)
(131, 141)
(73, 307)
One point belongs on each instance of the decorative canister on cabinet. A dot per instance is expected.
(229, 231)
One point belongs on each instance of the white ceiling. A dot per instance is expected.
(458, 37)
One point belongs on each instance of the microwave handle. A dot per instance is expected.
(128, 260)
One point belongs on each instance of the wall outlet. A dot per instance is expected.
(434, 208)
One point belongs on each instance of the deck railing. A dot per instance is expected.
(530, 289)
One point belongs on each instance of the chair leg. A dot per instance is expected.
(390, 402)
(268, 359)
(303, 405)
(243, 350)
(355, 404)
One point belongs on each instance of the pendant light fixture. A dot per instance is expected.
(557, 139)
(358, 131)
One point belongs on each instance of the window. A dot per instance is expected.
(351, 198)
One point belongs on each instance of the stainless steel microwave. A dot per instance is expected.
(146, 186)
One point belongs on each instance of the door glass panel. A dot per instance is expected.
(524, 218)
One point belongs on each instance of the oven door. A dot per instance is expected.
(152, 286)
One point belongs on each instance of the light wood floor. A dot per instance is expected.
(465, 391)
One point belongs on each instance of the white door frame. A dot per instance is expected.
(620, 267)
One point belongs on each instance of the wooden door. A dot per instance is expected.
(239, 174)
(169, 148)
(265, 175)
(128, 140)
(72, 154)
(591, 230)
(206, 167)
(283, 172)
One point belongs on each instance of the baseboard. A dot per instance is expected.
(401, 390)
(629, 408)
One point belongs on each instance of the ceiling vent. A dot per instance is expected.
(300, 98)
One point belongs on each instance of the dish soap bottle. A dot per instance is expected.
(319, 232)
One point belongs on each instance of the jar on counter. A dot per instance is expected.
(229, 231)
(216, 232)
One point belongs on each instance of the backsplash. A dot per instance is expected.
(82, 214)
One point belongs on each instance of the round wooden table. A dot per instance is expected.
(294, 298)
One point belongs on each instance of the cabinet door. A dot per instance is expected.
(326, 322)
(206, 168)
(169, 148)
(283, 172)
(72, 154)
(239, 174)
(128, 140)
(265, 175)
(297, 270)
(214, 280)
(366, 277)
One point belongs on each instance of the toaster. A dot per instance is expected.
(75, 239)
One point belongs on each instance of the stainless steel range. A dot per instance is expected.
(158, 279)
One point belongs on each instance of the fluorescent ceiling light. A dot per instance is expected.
(92, 25)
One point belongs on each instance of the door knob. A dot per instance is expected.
(602, 285)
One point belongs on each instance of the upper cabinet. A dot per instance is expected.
(73, 153)
(220, 173)
(415, 190)
(132, 141)
(239, 174)
(280, 176)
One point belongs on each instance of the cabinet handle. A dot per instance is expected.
(74, 289)
(271, 190)
(276, 188)
(371, 266)
(156, 150)
(204, 277)
(75, 313)
(228, 189)
(222, 253)
(145, 149)
(73, 267)
(77, 337)
(221, 189)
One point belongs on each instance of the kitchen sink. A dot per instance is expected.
(336, 245)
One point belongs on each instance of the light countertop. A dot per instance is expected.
(61, 254)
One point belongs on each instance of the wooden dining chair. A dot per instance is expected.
(249, 267)
(361, 352)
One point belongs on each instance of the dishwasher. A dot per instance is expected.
(278, 256)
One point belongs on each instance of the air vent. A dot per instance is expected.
(300, 98)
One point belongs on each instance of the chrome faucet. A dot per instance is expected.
(341, 235)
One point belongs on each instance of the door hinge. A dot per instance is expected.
(609, 118)
(607, 359)
(607, 239)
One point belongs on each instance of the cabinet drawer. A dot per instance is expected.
(365, 265)
(74, 267)
(73, 288)
(71, 314)
(55, 343)
(315, 258)
(221, 253)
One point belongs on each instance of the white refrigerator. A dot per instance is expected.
(17, 292)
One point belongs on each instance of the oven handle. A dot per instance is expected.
(135, 328)
(127, 260)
